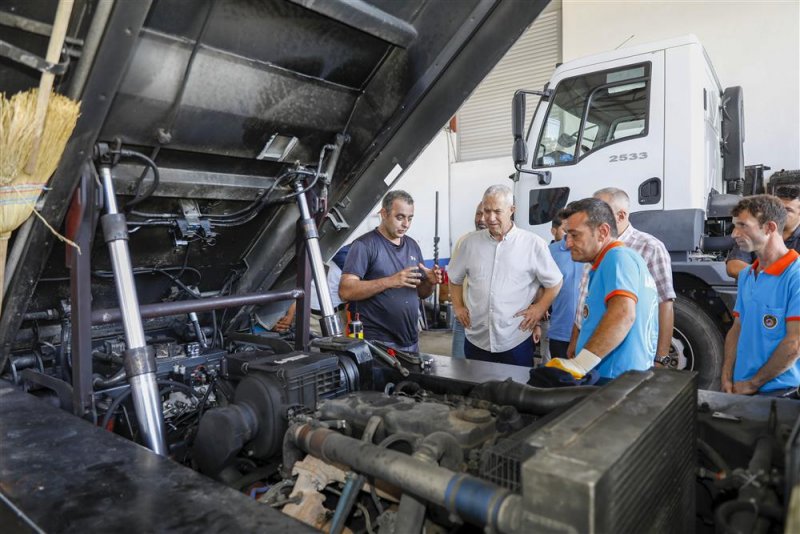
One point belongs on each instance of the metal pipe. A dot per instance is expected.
(349, 496)
(474, 500)
(435, 447)
(181, 307)
(140, 363)
(330, 321)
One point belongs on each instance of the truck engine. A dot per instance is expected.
(224, 150)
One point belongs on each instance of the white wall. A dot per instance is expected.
(755, 44)
(468, 181)
(421, 180)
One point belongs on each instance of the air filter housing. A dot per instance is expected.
(622, 460)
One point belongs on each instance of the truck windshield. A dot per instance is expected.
(594, 110)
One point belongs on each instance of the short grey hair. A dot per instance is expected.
(619, 198)
(502, 191)
(397, 194)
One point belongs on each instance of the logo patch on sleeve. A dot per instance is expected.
(585, 311)
(770, 321)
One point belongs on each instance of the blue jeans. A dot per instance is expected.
(522, 354)
(457, 350)
(407, 348)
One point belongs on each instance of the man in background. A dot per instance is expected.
(562, 313)
(789, 195)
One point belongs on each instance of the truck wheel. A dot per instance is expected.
(697, 343)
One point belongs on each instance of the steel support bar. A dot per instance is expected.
(140, 365)
(303, 309)
(163, 309)
(330, 321)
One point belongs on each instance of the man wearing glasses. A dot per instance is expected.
(789, 195)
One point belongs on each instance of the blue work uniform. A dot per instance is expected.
(764, 304)
(562, 315)
(619, 270)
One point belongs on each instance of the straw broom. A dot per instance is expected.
(34, 129)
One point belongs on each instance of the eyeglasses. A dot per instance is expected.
(788, 192)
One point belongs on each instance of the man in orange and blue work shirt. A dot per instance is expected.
(763, 345)
(620, 314)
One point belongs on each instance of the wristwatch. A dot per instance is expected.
(663, 360)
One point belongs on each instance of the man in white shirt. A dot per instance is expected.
(506, 266)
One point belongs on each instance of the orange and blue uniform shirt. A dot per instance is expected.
(619, 270)
(764, 304)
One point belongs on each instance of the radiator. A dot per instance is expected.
(622, 460)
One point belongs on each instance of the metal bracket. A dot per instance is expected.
(337, 219)
(28, 59)
(192, 225)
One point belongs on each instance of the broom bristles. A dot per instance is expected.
(18, 189)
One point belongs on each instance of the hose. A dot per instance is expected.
(715, 457)
(529, 399)
(725, 512)
(141, 197)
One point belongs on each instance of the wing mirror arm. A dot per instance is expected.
(520, 147)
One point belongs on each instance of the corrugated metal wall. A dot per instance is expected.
(484, 121)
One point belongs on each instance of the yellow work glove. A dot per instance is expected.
(581, 364)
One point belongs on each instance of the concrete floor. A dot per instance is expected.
(436, 342)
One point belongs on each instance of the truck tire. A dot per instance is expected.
(697, 343)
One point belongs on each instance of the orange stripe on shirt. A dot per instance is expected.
(623, 293)
(793, 318)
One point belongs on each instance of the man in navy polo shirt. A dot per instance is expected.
(384, 277)
(620, 314)
(763, 345)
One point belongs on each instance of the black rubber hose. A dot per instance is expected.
(529, 399)
(725, 512)
(141, 197)
(714, 456)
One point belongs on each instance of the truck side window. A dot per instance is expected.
(593, 110)
(545, 203)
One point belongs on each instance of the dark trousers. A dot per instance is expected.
(522, 354)
(558, 349)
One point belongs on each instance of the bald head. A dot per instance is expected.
(619, 202)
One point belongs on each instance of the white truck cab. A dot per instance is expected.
(654, 121)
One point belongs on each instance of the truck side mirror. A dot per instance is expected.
(520, 149)
(733, 135)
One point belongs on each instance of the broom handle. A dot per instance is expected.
(57, 37)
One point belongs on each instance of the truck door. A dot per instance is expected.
(603, 126)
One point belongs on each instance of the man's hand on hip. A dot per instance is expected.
(408, 277)
(531, 317)
(462, 313)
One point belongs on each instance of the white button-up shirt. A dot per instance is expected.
(504, 277)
